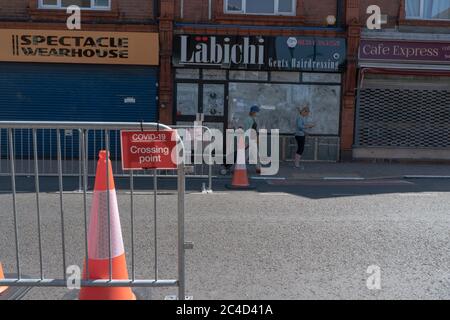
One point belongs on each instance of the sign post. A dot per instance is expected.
(142, 150)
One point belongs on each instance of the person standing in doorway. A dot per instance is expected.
(300, 132)
(251, 124)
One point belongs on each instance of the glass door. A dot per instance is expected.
(214, 97)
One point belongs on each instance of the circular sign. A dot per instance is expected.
(292, 42)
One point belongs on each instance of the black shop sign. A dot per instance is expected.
(261, 53)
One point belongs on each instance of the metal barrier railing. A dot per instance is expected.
(13, 132)
(71, 145)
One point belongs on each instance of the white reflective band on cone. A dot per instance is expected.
(98, 244)
(241, 154)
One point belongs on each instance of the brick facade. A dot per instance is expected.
(195, 17)
(170, 17)
(123, 11)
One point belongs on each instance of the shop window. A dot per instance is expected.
(285, 76)
(214, 125)
(264, 7)
(214, 100)
(322, 77)
(249, 75)
(187, 74)
(428, 9)
(83, 4)
(279, 105)
(214, 74)
(187, 99)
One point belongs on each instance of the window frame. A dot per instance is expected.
(421, 13)
(276, 11)
(59, 6)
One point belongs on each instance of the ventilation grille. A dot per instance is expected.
(403, 118)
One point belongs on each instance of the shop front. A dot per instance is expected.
(403, 104)
(219, 78)
(49, 75)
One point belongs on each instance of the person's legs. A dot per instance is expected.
(300, 149)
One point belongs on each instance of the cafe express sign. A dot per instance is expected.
(79, 47)
(273, 53)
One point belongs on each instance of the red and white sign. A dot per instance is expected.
(148, 150)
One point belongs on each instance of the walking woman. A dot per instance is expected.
(300, 133)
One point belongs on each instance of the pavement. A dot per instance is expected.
(296, 236)
(363, 170)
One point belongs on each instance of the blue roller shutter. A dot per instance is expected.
(74, 92)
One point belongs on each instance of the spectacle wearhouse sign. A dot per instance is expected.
(137, 48)
(273, 53)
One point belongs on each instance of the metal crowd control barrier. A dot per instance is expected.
(11, 129)
(71, 145)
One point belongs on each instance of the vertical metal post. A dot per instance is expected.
(29, 149)
(61, 189)
(72, 152)
(338, 150)
(43, 152)
(80, 160)
(181, 243)
(108, 204)
(83, 155)
(36, 182)
(21, 169)
(210, 176)
(95, 152)
(155, 219)
(316, 148)
(13, 187)
(133, 272)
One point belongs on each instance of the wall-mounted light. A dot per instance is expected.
(331, 20)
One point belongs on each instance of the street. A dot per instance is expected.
(288, 239)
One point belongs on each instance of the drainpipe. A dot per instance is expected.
(340, 14)
(181, 9)
(155, 10)
(209, 9)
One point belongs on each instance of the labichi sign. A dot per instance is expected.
(137, 48)
(261, 53)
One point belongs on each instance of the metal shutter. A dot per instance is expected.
(403, 116)
(62, 92)
(66, 92)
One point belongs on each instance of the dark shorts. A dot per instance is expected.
(300, 144)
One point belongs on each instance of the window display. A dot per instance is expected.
(279, 103)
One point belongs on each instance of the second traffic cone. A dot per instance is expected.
(2, 277)
(98, 264)
(240, 178)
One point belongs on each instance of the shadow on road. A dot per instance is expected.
(313, 189)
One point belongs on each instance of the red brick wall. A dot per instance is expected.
(395, 9)
(388, 7)
(122, 11)
(13, 9)
(313, 12)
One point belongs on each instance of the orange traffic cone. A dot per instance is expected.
(98, 240)
(2, 277)
(240, 177)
